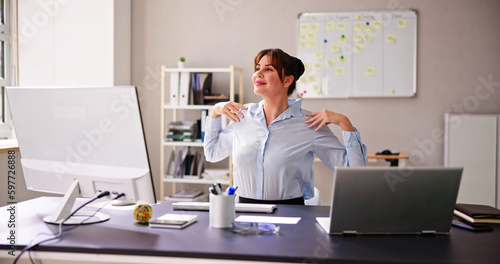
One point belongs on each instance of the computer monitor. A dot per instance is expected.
(81, 141)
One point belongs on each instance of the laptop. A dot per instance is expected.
(392, 200)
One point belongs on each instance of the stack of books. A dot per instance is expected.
(187, 196)
(477, 214)
(215, 175)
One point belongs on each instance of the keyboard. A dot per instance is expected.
(239, 207)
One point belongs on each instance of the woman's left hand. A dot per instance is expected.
(326, 117)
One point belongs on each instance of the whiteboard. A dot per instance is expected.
(471, 142)
(357, 54)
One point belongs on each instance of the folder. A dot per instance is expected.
(174, 89)
(184, 85)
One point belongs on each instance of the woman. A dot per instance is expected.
(274, 142)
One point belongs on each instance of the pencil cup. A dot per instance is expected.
(221, 211)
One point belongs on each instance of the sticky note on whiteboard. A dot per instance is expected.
(314, 26)
(307, 66)
(358, 26)
(318, 66)
(357, 37)
(390, 38)
(319, 55)
(402, 23)
(331, 62)
(335, 47)
(330, 25)
(370, 71)
(358, 48)
(304, 27)
(340, 71)
(341, 26)
(376, 24)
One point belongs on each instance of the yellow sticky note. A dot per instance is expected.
(376, 24)
(314, 26)
(390, 38)
(341, 26)
(340, 71)
(358, 26)
(330, 25)
(368, 37)
(304, 79)
(330, 62)
(370, 71)
(318, 66)
(303, 45)
(358, 48)
(341, 58)
(357, 38)
(311, 44)
(317, 88)
(335, 47)
(319, 55)
(304, 27)
(402, 23)
(313, 78)
(367, 27)
(307, 66)
(343, 38)
(303, 37)
(311, 35)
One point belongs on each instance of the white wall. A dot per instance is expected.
(457, 51)
(84, 43)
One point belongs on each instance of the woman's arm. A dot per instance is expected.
(218, 142)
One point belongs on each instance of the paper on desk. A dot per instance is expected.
(267, 219)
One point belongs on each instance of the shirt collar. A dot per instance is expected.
(294, 106)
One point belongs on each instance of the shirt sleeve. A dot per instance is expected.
(218, 142)
(332, 153)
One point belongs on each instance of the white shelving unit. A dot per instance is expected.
(232, 71)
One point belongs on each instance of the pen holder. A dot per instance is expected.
(221, 211)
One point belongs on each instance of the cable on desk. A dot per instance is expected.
(60, 233)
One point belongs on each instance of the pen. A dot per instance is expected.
(231, 190)
(212, 190)
(217, 188)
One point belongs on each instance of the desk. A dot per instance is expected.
(401, 158)
(121, 238)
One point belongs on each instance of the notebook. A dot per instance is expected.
(239, 207)
(392, 200)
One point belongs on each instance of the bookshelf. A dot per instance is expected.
(166, 108)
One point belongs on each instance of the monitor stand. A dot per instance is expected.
(64, 210)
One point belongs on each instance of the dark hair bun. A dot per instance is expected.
(299, 68)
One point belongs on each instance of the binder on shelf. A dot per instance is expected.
(184, 85)
(170, 164)
(174, 89)
(201, 85)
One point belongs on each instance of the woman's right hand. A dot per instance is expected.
(229, 109)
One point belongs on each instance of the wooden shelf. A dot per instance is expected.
(188, 107)
(183, 143)
(192, 179)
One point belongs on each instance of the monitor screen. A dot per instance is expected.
(90, 134)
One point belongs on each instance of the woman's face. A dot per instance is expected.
(266, 80)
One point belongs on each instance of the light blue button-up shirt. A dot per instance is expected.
(275, 162)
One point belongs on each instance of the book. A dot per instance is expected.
(476, 213)
(187, 194)
(178, 221)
